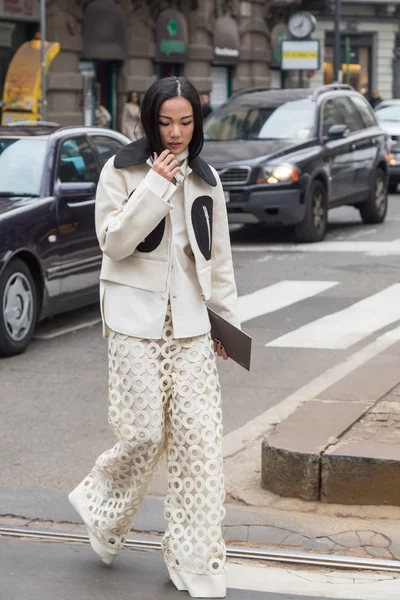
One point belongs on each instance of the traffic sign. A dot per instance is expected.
(300, 55)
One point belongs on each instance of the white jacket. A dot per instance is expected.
(135, 235)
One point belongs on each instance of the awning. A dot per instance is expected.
(105, 34)
(226, 41)
(171, 37)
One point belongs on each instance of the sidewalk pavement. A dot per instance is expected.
(343, 446)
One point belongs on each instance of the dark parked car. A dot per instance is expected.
(49, 255)
(388, 116)
(287, 156)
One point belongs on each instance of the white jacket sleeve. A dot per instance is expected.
(124, 219)
(223, 287)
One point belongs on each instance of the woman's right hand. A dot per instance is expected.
(165, 165)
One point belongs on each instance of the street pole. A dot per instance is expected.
(336, 60)
(43, 57)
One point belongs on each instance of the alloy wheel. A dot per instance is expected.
(18, 306)
(380, 195)
(318, 211)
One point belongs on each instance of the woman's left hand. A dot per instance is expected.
(220, 350)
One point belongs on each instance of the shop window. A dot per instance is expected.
(355, 63)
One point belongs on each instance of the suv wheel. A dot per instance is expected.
(375, 208)
(313, 228)
(18, 308)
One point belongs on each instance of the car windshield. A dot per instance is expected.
(293, 120)
(388, 113)
(21, 165)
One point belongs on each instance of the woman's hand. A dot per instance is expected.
(165, 165)
(220, 350)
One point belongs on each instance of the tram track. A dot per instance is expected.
(233, 552)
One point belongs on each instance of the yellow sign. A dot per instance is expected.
(22, 89)
(300, 55)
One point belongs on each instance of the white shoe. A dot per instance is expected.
(199, 586)
(77, 499)
(176, 579)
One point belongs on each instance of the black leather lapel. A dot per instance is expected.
(203, 170)
(133, 154)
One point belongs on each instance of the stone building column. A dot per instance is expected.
(200, 51)
(255, 53)
(64, 81)
(137, 72)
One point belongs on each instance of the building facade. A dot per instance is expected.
(221, 45)
(369, 45)
(111, 47)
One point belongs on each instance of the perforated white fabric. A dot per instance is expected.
(164, 396)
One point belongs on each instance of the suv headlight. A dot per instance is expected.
(393, 158)
(278, 174)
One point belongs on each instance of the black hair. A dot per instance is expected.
(165, 89)
(129, 97)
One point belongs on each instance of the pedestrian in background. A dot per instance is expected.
(131, 126)
(375, 98)
(206, 107)
(162, 225)
(103, 117)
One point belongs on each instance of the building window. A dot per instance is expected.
(356, 61)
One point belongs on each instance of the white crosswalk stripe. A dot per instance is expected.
(279, 295)
(369, 248)
(313, 583)
(343, 329)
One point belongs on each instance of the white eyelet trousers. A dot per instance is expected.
(165, 396)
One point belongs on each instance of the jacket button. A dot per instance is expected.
(174, 296)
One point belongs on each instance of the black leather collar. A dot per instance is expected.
(138, 152)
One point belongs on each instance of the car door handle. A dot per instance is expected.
(353, 147)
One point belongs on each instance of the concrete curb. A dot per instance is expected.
(342, 448)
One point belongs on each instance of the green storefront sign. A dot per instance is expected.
(171, 37)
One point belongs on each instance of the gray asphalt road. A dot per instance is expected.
(43, 571)
(54, 397)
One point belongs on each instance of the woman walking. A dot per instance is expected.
(162, 226)
(131, 126)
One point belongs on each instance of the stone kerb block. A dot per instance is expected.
(366, 473)
(291, 455)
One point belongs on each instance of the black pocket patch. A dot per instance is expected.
(202, 220)
(153, 240)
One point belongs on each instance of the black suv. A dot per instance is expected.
(287, 156)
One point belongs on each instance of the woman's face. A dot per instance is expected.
(176, 124)
(134, 98)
